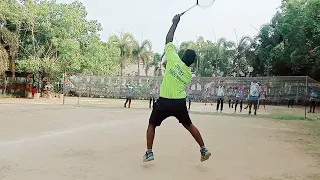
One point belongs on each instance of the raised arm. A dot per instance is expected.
(172, 30)
(170, 50)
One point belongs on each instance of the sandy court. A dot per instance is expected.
(54, 142)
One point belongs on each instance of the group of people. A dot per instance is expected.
(235, 95)
(255, 95)
(153, 95)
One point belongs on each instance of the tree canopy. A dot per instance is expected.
(50, 38)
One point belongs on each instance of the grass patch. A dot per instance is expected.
(263, 116)
(4, 96)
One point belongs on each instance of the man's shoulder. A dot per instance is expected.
(169, 45)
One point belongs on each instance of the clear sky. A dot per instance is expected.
(151, 19)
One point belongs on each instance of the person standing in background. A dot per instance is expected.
(153, 94)
(188, 96)
(231, 94)
(129, 94)
(239, 96)
(313, 98)
(263, 96)
(221, 86)
(254, 96)
(290, 97)
(207, 96)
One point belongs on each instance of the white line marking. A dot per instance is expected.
(50, 134)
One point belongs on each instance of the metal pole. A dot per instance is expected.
(305, 106)
(64, 86)
(79, 98)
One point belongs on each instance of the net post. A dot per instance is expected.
(63, 88)
(79, 93)
(305, 106)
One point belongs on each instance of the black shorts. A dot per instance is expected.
(164, 108)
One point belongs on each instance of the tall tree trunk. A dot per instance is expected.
(5, 84)
(138, 60)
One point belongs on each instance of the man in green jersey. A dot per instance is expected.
(172, 100)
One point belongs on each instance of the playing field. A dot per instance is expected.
(40, 139)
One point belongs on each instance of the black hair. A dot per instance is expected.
(189, 57)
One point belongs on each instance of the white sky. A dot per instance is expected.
(151, 19)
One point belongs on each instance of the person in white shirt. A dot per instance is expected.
(221, 86)
(207, 96)
(240, 96)
(188, 96)
(254, 94)
(152, 94)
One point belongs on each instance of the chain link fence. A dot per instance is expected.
(278, 89)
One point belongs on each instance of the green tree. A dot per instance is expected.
(142, 50)
(125, 42)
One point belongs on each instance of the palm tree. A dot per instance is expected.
(156, 63)
(125, 42)
(143, 49)
(223, 50)
(146, 56)
(241, 49)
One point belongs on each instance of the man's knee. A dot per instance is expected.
(151, 127)
(188, 126)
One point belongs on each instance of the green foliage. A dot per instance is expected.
(51, 38)
(3, 60)
(125, 42)
(288, 45)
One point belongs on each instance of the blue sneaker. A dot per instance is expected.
(205, 154)
(148, 156)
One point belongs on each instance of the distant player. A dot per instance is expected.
(230, 95)
(188, 96)
(207, 96)
(313, 98)
(290, 96)
(129, 94)
(262, 97)
(240, 96)
(254, 96)
(221, 86)
(152, 94)
(172, 100)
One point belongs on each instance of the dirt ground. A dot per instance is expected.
(42, 139)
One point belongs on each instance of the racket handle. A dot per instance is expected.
(188, 9)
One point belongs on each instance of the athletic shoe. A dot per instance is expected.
(148, 156)
(205, 154)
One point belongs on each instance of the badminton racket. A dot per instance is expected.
(203, 4)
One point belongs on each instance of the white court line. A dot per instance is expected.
(50, 134)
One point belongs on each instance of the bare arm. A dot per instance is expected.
(172, 30)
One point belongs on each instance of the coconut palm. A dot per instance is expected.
(146, 57)
(241, 49)
(125, 42)
(156, 63)
(140, 50)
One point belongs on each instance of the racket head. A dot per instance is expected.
(205, 3)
